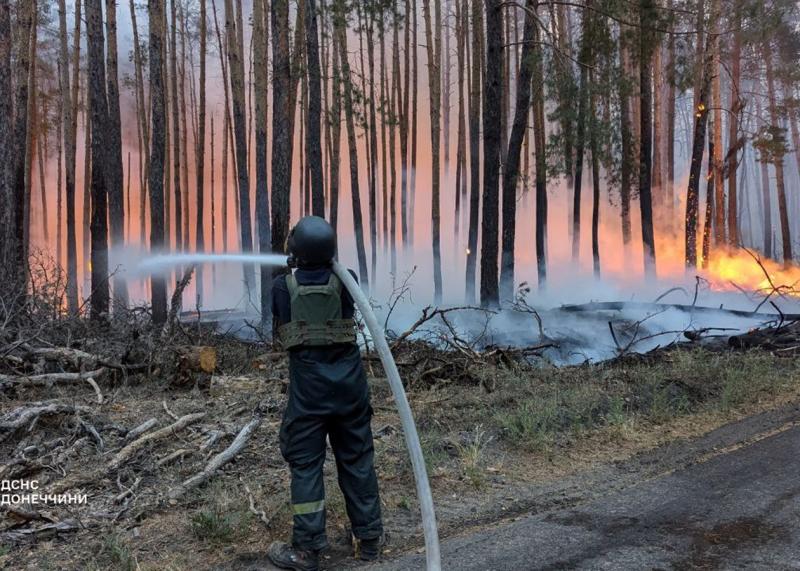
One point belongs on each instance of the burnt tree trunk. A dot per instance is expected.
(200, 153)
(281, 124)
(98, 107)
(474, 150)
(68, 119)
(539, 125)
(492, 133)
(358, 224)
(25, 32)
(433, 39)
(157, 154)
(236, 68)
(512, 164)
(8, 251)
(113, 144)
(262, 197)
(313, 127)
(780, 185)
(646, 19)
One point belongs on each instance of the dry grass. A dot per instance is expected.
(481, 446)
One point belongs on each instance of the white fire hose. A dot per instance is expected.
(406, 418)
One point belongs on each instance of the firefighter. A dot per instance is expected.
(328, 397)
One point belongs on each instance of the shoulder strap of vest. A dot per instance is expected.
(291, 284)
(335, 282)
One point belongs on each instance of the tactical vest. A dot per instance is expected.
(316, 315)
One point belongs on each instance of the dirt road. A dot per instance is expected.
(740, 509)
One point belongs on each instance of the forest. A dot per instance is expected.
(477, 141)
(577, 220)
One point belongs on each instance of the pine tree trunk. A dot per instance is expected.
(8, 238)
(314, 135)
(733, 135)
(780, 185)
(474, 150)
(396, 106)
(492, 133)
(40, 152)
(143, 115)
(703, 88)
(433, 39)
(336, 129)
(710, 197)
(626, 135)
(585, 61)
(281, 124)
(539, 125)
(595, 150)
(158, 284)
(765, 189)
(87, 197)
(658, 105)
(185, 110)
(414, 127)
(176, 124)
(25, 25)
(236, 67)
(460, 133)
(358, 225)
(98, 107)
(70, 118)
(511, 166)
(200, 155)
(404, 119)
(262, 196)
(445, 78)
(716, 103)
(113, 143)
(646, 17)
(32, 136)
(669, 191)
(222, 48)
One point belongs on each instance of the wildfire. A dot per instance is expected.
(749, 272)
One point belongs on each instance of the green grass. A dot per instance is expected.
(539, 410)
(223, 517)
(471, 455)
(216, 526)
(115, 553)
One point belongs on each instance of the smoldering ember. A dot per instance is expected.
(525, 272)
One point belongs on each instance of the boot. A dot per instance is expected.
(288, 556)
(370, 549)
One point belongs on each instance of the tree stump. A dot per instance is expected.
(193, 367)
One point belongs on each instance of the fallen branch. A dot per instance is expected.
(47, 379)
(129, 450)
(141, 429)
(42, 531)
(23, 416)
(219, 460)
(644, 306)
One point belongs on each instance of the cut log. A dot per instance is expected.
(193, 366)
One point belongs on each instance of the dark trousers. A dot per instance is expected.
(339, 409)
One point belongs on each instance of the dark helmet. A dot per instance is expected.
(312, 242)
